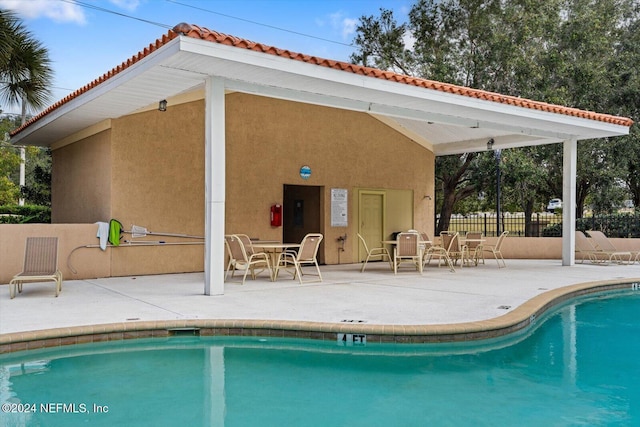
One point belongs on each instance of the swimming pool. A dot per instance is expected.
(577, 367)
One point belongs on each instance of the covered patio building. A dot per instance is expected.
(339, 148)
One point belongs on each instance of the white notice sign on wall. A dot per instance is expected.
(339, 207)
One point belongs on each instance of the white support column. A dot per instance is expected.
(569, 170)
(214, 185)
(23, 162)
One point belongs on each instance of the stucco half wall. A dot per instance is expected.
(77, 262)
(80, 257)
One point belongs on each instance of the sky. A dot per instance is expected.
(87, 38)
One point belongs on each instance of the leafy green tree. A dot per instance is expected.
(525, 181)
(625, 101)
(587, 43)
(25, 72)
(455, 184)
(37, 189)
(483, 44)
(557, 53)
(9, 163)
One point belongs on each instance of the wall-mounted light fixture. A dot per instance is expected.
(490, 144)
(162, 105)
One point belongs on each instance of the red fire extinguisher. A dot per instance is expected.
(276, 215)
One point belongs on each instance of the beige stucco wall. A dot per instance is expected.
(147, 170)
(158, 183)
(268, 140)
(153, 168)
(81, 180)
(529, 247)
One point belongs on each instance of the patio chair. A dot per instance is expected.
(293, 262)
(246, 241)
(374, 252)
(407, 250)
(425, 243)
(603, 244)
(239, 259)
(448, 252)
(473, 247)
(496, 249)
(40, 264)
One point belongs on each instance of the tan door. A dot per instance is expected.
(371, 216)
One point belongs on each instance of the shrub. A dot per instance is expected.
(614, 225)
(28, 214)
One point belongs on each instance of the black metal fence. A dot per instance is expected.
(547, 224)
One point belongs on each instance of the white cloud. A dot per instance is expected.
(56, 11)
(130, 5)
(346, 26)
(409, 40)
(349, 27)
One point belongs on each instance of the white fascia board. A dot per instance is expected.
(464, 121)
(153, 59)
(528, 121)
(495, 112)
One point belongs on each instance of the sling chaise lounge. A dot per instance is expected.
(602, 243)
(40, 264)
(586, 249)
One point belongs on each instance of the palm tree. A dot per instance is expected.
(8, 27)
(25, 71)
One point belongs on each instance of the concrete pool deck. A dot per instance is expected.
(439, 304)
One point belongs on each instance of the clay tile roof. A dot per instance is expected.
(202, 33)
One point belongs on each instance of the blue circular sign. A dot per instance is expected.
(305, 172)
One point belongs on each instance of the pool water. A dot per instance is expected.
(580, 366)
